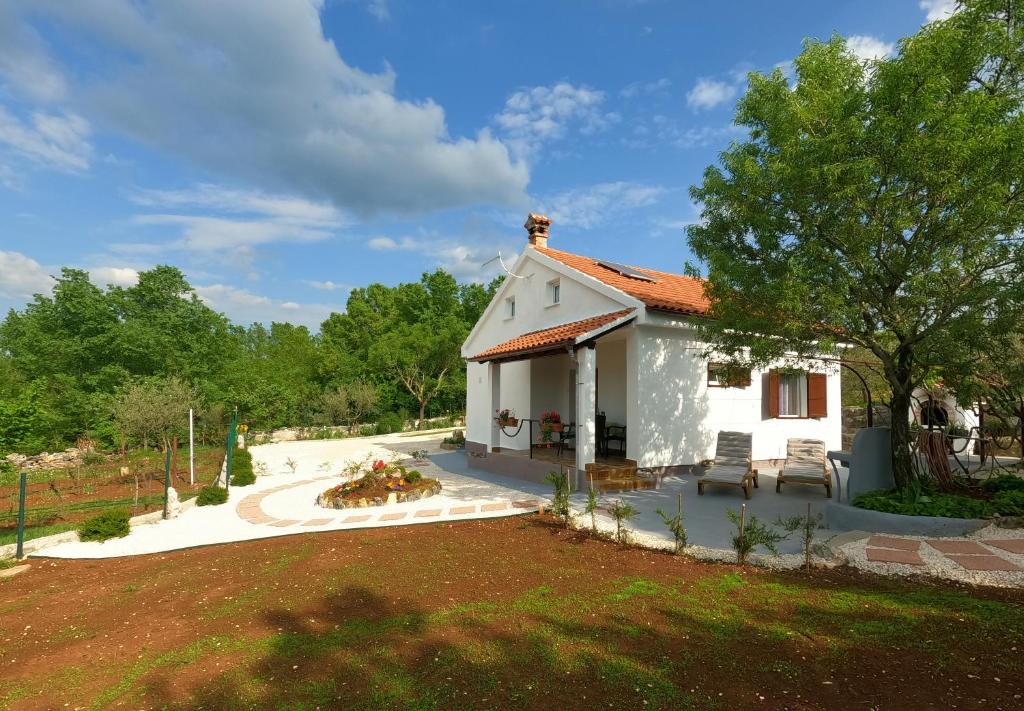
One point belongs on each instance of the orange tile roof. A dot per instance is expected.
(549, 338)
(669, 292)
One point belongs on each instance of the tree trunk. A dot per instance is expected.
(423, 409)
(902, 461)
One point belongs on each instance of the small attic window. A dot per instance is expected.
(626, 271)
(554, 292)
(510, 307)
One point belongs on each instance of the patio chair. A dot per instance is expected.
(731, 466)
(568, 434)
(805, 464)
(615, 433)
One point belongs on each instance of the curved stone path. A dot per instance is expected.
(251, 509)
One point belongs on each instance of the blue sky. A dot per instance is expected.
(283, 152)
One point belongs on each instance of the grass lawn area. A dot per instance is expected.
(499, 614)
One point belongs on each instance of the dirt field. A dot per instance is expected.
(497, 614)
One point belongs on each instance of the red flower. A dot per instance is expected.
(378, 465)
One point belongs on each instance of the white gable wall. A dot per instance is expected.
(578, 301)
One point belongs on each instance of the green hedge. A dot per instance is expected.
(241, 468)
(211, 496)
(110, 524)
(949, 505)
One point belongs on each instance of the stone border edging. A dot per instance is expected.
(850, 518)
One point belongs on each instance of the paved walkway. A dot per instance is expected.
(283, 502)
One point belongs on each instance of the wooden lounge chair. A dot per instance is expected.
(731, 466)
(805, 464)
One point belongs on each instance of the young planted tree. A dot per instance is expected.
(875, 203)
(154, 408)
(350, 404)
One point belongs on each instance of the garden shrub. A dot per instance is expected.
(109, 524)
(413, 476)
(241, 468)
(1004, 482)
(935, 504)
(92, 458)
(211, 496)
(388, 423)
(1009, 503)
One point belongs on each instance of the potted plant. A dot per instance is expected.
(551, 421)
(506, 417)
(957, 438)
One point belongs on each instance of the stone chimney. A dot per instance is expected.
(537, 226)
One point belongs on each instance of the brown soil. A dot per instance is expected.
(493, 614)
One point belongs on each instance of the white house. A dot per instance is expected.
(583, 336)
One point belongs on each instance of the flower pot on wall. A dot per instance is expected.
(510, 422)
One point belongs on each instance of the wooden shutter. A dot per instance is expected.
(817, 395)
(773, 393)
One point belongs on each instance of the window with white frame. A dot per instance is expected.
(554, 292)
(793, 394)
(510, 307)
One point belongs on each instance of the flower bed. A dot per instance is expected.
(377, 485)
(999, 496)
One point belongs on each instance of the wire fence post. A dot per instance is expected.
(167, 477)
(22, 487)
(191, 448)
(232, 435)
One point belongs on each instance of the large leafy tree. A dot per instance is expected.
(875, 203)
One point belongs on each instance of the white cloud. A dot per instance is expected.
(640, 88)
(938, 9)
(461, 258)
(285, 208)
(60, 142)
(595, 205)
(327, 285)
(244, 306)
(255, 91)
(540, 114)
(868, 48)
(709, 93)
(209, 218)
(24, 64)
(379, 9)
(212, 234)
(21, 276)
(118, 276)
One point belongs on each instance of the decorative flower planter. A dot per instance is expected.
(510, 422)
(553, 426)
(330, 500)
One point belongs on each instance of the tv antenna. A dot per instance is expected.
(502, 263)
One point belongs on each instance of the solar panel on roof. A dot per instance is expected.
(626, 271)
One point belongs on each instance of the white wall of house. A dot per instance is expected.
(678, 416)
(611, 379)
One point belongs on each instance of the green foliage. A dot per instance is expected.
(109, 524)
(591, 508)
(413, 476)
(674, 523)
(752, 534)
(211, 496)
(1003, 482)
(934, 504)
(388, 423)
(623, 513)
(560, 499)
(242, 473)
(806, 525)
(1009, 503)
(875, 205)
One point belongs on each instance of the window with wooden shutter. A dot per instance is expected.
(773, 393)
(817, 395)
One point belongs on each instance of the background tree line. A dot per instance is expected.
(109, 364)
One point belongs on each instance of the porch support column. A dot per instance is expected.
(494, 378)
(586, 407)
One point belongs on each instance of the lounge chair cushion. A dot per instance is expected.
(727, 474)
(733, 449)
(805, 461)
